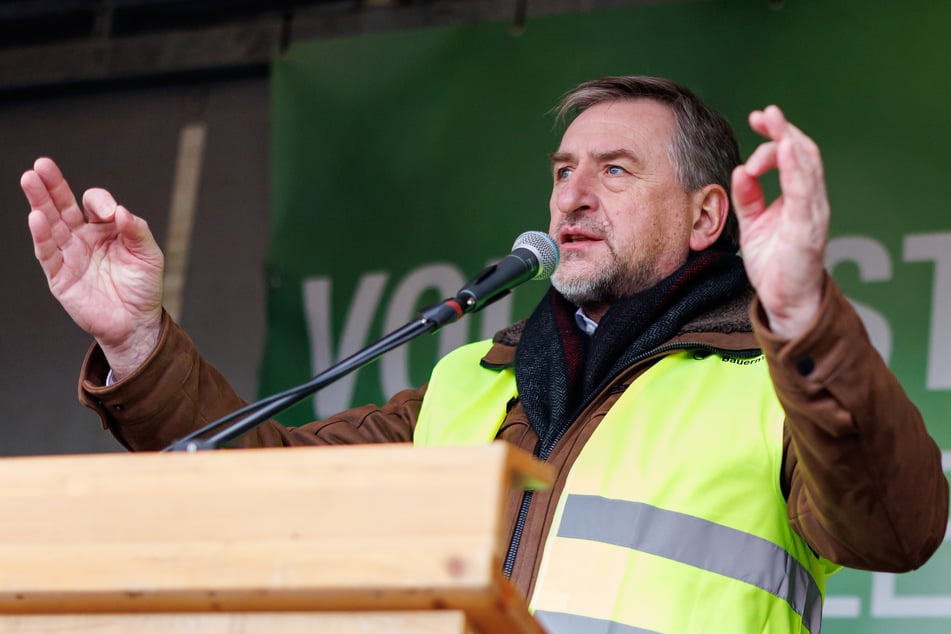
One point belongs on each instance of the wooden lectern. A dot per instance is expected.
(370, 539)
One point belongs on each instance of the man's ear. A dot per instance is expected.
(711, 204)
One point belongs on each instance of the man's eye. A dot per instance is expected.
(615, 170)
(563, 172)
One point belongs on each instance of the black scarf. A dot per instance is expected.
(559, 369)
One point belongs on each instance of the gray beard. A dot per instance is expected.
(608, 286)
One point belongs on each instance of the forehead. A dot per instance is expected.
(637, 124)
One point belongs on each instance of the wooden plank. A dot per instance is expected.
(444, 622)
(353, 528)
(181, 215)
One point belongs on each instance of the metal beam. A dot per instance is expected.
(243, 44)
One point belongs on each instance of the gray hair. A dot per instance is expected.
(704, 149)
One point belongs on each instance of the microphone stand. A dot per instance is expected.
(534, 255)
(430, 319)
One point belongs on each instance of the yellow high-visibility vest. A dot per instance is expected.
(672, 518)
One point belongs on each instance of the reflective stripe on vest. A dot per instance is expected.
(695, 542)
(616, 559)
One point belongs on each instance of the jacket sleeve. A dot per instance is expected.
(863, 478)
(176, 391)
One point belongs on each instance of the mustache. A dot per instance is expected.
(584, 225)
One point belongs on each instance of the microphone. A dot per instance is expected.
(534, 256)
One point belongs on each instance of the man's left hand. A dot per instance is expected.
(783, 243)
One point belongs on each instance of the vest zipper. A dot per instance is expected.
(509, 565)
(543, 452)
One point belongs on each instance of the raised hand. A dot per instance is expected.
(101, 262)
(783, 243)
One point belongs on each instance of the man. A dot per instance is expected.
(702, 485)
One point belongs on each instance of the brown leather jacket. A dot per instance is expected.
(863, 479)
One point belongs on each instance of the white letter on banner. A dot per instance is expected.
(841, 607)
(337, 396)
(936, 247)
(885, 603)
(874, 265)
(403, 308)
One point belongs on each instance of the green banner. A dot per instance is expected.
(404, 162)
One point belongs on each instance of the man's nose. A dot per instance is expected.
(577, 193)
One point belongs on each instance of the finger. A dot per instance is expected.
(762, 159)
(38, 196)
(756, 122)
(100, 205)
(799, 160)
(34, 189)
(137, 237)
(59, 228)
(58, 192)
(44, 246)
(770, 122)
(795, 154)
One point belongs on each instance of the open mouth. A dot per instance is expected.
(573, 236)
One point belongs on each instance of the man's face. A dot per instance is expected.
(621, 220)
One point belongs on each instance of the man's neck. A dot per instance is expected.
(594, 311)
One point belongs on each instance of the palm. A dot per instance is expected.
(106, 288)
(769, 243)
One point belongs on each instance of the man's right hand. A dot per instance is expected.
(102, 264)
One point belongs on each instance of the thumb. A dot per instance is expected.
(137, 237)
(748, 198)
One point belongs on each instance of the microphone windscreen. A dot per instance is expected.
(544, 248)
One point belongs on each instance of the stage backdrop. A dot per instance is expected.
(404, 162)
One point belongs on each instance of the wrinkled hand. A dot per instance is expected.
(783, 243)
(102, 264)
